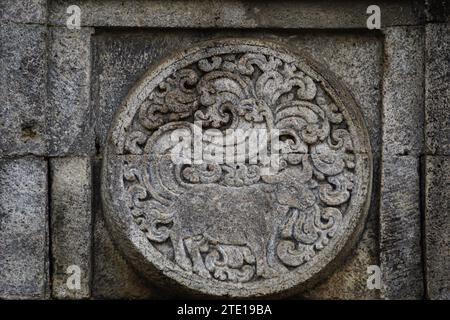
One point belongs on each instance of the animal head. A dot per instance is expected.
(295, 195)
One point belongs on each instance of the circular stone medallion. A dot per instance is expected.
(260, 223)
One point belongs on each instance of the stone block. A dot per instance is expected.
(23, 229)
(113, 278)
(403, 91)
(400, 229)
(437, 226)
(70, 117)
(24, 11)
(71, 223)
(236, 14)
(23, 74)
(437, 89)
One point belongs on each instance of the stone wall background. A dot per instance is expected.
(60, 88)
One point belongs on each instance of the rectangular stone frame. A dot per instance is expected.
(68, 132)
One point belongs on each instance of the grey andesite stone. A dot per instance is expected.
(437, 94)
(70, 118)
(402, 145)
(437, 226)
(349, 281)
(71, 223)
(113, 277)
(23, 229)
(311, 14)
(23, 74)
(400, 225)
(23, 11)
(356, 59)
(182, 224)
(121, 59)
(403, 91)
(85, 178)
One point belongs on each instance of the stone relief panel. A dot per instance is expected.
(218, 227)
(237, 228)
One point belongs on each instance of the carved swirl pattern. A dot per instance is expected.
(234, 223)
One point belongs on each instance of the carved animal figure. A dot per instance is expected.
(240, 216)
(223, 215)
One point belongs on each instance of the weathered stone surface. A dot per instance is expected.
(71, 223)
(236, 14)
(400, 225)
(186, 220)
(403, 91)
(23, 11)
(437, 94)
(349, 281)
(437, 226)
(113, 278)
(70, 118)
(357, 61)
(23, 77)
(437, 133)
(399, 78)
(402, 141)
(23, 229)
(122, 58)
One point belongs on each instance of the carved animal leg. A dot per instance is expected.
(262, 266)
(180, 254)
(272, 260)
(280, 218)
(197, 260)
